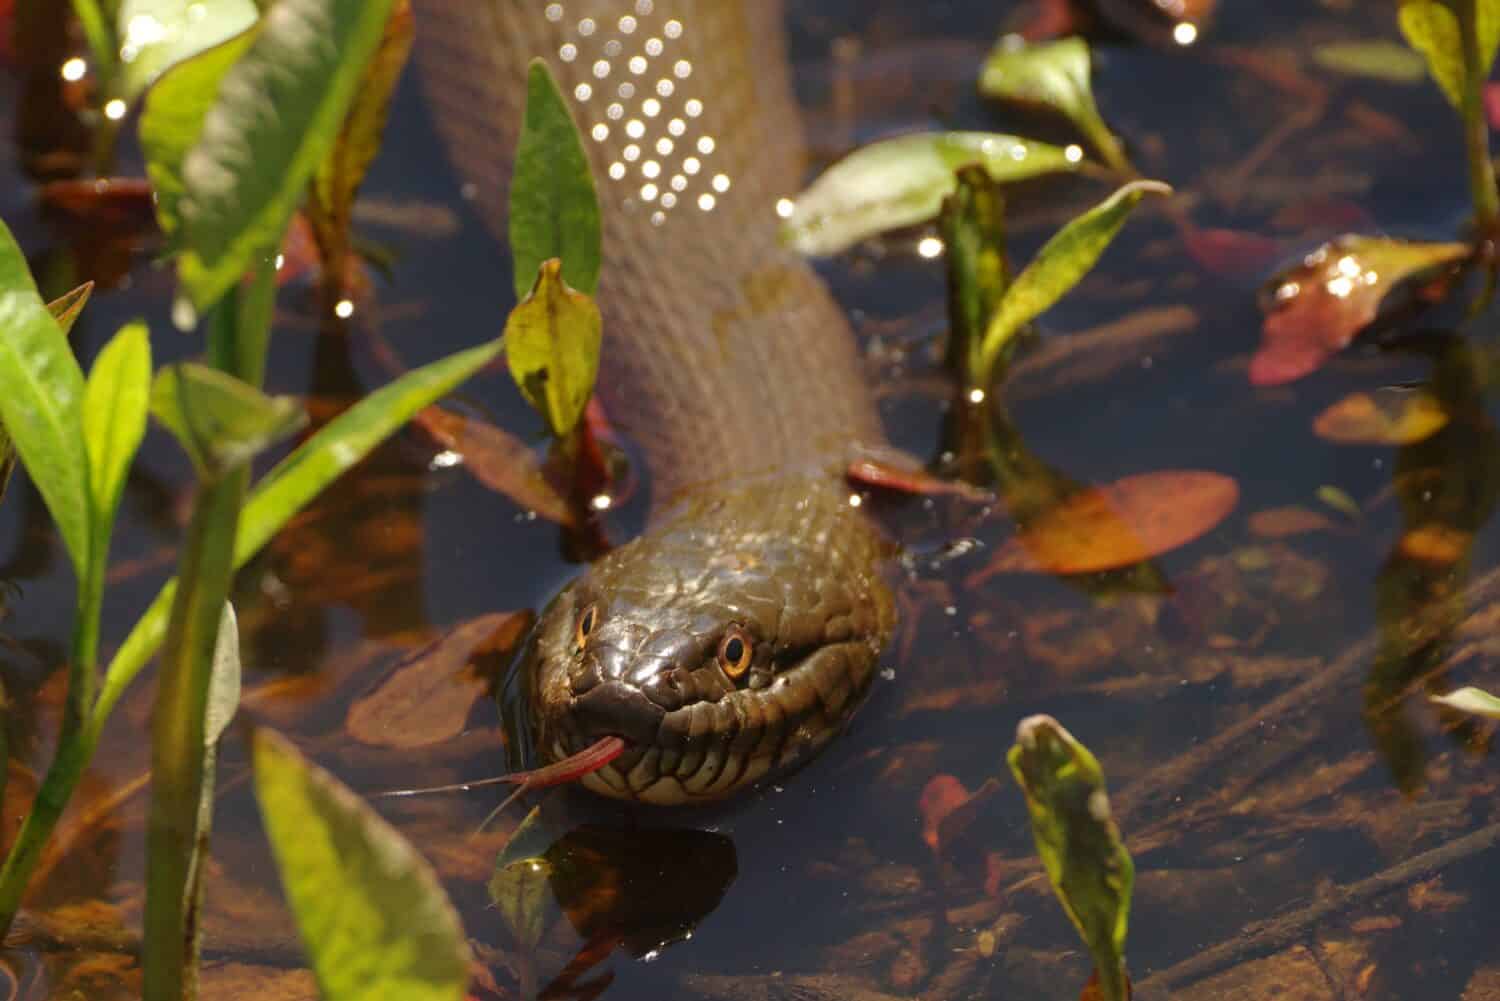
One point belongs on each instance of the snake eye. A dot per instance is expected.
(734, 653)
(586, 623)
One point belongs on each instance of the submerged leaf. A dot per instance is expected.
(552, 342)
(1388, 416)
(372, 915)
(1377, 58)
(1056, 76)
(1105, 528)
(520, 885)
(1057, 267)
(158, 34)
(1433, 30)
(1471, 700)
(1334, 293)
(428, 697)
(903, 181)
(499, 460)
(220, 420)
(1080, 846)
(554, 210)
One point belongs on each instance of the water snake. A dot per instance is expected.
(740, 631)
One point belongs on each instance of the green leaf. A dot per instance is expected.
(1487, 30)
(41, 395)
(1058, 266)
(552, 344)
(115, 400)
(66, 307)
(331, 198)
(903, 181)
(277, 114)
(1378, 59)
(1433, 30)
(1081, 849)
(101, 40)
(1471, 700)
(373, 918)
(220, 420)
(1054, 75)
(155, 35)
(973, 227)
(554, 210)
(520, 886)
(173, 117)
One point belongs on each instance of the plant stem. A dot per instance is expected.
(1476, 131)
(177, 746)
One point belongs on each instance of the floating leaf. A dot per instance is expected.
(66, 307)
(1377, 58)
(1334, 293)
(554, 210)
(220, 420)
(1054, 75)
(41, 395)
(903, 181)
(116, 397)
(519, 886)
(1105, 528)
(157, 34)
(1080, 846)
(1057, 267)
(1388, 416)
(1433, 30)
(499, 460)
(278, 111)
(428, 697)
(372, 915)
(552, 342)
(1471, 700)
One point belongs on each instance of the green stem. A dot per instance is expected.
(1476, 131)
(177, 745)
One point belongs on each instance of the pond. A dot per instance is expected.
(1304, 822)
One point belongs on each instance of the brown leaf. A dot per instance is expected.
(427, 698)
(499, 460)
(1283, 522)
(941, 796)
(1388, 416)
(1321, 304)
(1105, 528)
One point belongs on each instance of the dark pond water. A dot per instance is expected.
(1258, 725)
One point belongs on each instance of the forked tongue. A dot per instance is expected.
(570, 769)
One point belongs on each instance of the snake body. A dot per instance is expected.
(739, 632)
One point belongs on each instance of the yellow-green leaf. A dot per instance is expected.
(1471, 700)
(1378, 59)
(220, 420)
(372, 915)
(552, 344)
(155, 35)
(1053, 75)
(115, 400)
(66, 307)
(554, 210)
(1487, 28)
(1081, 848)
(1058, 266)
(903, 181)
(1433, 30)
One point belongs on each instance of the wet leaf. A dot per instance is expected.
(428, 697)
(1471, 700)
(1057, 267)
(372, 915)
(1106, 528)
(157, 34)
(1433, 30)
(220, 420)
(903, 181)
(1388, 416)
(339, 176)
(116, 397)
(972, 224)
(65, 308)
(277, 113)
(1376, 58)
(552, 342)
(1054, 75)
(41, 397)
(1334, 293)
(554, 210)
(172, 118)
(1339, 500)
(1435, 543)
(519, 886)
(892, 469)
(940, 796)
(1080, 846)
(499, 460)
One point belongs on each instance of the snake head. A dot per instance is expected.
(719, 648)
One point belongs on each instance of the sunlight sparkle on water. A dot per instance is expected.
(1185, 33)
(74, 70)
(1073, 153)
(930, 247)
(344, 309)
(785, 207)
(115, 110)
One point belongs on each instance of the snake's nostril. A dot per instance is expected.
(583, 676)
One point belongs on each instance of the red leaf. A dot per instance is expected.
(1231, 251)
(1492, 104)
(892, 469)
(941, 796)
(499, 460)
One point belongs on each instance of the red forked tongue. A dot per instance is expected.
(570, 769)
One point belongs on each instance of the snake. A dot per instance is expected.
(738, 633)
